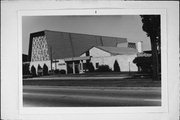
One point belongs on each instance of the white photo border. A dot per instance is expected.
(11, 52)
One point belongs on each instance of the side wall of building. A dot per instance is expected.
(101, 57)
(125, 62)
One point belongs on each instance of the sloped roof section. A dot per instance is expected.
(118, 50)
(65, 44)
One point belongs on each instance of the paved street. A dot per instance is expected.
(71, 96)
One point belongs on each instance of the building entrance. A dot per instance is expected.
(76, 65)
(73, 67)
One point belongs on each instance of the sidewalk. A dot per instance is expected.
(77, 78)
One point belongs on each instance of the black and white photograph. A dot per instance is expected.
(91, 61)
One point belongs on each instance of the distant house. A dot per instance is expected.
(72, 51)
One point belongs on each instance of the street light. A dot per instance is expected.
(129, 67)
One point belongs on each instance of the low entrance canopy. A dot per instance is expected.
(76, 64)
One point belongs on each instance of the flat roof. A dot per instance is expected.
(77, 58)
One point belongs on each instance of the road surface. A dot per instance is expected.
(74, 96)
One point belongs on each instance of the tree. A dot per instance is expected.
(144, 64)
(116, 66)
(33, 71)
(103, 68)
(45, 69)
(90, 67)
(151, 25)
(26, 69)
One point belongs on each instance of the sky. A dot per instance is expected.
(125, 26)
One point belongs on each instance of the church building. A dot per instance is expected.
(72, 52)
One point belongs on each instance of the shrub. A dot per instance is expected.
(116, 66)
(40, 70)
(33, 71)
(56, 71)
(103, 68)
(62, 71)
(26, 69)
(144, 64)
(51, 72)
(90, 67)
(39, 67)
(45, 69)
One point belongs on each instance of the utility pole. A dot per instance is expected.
(70, 38)
(55, 64)
(142, 45)
(53, 61)
(129, 68)
(51, 56)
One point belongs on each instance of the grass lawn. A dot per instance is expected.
(130, 80)
(101, 74)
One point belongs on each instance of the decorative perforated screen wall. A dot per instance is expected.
(39, 49)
